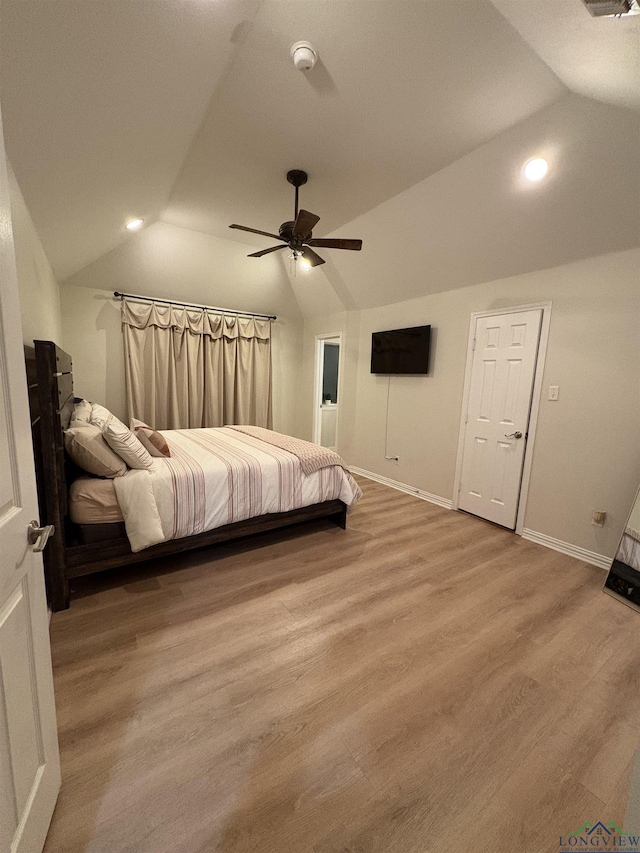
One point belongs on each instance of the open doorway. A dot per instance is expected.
(327, 388)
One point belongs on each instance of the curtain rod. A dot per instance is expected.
(193, 305)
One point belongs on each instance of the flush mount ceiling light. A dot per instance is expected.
(536, 169)
(134, 224)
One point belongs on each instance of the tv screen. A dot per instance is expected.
(401, 350)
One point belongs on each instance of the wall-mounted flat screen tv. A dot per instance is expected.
(401, 350)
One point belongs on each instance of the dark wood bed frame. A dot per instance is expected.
(75, 550)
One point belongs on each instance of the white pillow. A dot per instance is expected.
(88, 449)
(100, 415)
(81, 413)
(126, 445)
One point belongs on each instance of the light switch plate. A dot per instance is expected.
(554, 392)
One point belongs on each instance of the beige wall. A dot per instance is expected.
(39, 291)
(286, 350)
(93, 335)
(586, 454)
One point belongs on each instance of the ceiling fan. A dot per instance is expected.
(297, 234)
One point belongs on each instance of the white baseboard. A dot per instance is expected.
(402, 487)
(591, 557)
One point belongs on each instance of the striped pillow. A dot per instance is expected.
(99, 415)
(125, 444)
(150, 438)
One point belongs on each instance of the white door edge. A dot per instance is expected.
(535, 401)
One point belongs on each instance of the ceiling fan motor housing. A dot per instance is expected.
(286, 230)
(286, 233)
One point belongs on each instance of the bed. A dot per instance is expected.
(218, 485)
(629, 550)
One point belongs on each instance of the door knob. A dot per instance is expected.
(38, 536)
(516, 434)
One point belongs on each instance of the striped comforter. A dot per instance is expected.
(216, 477)
(629, 550)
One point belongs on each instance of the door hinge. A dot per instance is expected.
(474, 345)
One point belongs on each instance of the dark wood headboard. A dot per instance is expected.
(50, 381)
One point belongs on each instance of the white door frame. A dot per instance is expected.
(536, 395)
(317, 389)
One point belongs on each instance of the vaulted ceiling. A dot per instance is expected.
(596, 57)
(412, 128)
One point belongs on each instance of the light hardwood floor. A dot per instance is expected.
(423, 681)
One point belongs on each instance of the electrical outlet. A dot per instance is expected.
(554, 392)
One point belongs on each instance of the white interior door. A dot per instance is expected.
(29, 762)
(503, 369)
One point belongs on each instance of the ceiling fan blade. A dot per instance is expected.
(255, 231)
(338, 243)
(266, 251)
(311, 258)
(305, 223)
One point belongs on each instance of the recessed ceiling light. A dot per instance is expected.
(536, 169)
(134, 224)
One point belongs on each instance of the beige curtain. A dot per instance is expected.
(187, 368)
